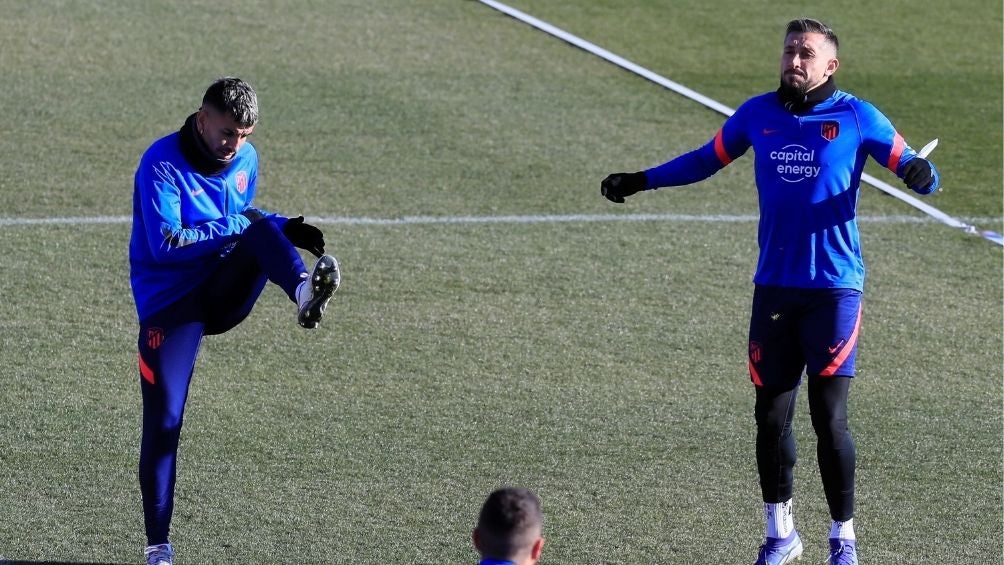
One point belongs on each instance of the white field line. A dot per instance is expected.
(723, 109)
(502, 219)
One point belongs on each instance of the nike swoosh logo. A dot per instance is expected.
(767, 131)
(836, 347)
(196, 192)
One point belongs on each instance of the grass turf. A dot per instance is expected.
(599, 363)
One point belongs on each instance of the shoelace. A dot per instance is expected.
(830, 558)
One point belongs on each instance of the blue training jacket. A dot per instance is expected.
(808, 174)
(184, 222)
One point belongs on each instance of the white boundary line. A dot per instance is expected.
(468, 220)
(721, 108)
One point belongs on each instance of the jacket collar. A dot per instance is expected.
(195, 151)
(798, 103)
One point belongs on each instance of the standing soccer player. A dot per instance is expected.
(811, 141)
(200, 255)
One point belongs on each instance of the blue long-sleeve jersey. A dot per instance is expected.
(184, 222)
(808, 174)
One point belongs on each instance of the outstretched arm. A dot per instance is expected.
(728, 144)
(888, 147)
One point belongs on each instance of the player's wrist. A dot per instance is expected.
(636, 181)
(253, 214)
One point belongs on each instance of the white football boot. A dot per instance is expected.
(313, 294)
(161, 554)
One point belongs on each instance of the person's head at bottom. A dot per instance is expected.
(510, 527)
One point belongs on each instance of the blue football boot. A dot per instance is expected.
(778, 551)
(843, 552)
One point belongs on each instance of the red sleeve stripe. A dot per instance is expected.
(145, 371)
(897, 151)
(720, 151)
(852, 341)
(754, 375)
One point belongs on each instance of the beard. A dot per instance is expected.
(794, 85)
(793, 93)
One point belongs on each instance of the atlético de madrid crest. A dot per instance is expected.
(242, 181)
(829, 130)
(154, 337)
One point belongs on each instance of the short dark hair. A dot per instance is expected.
(809, 25)
(509, 523)
(233, 96)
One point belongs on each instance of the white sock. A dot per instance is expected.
(780, 522)
(842, 530)
(300, 294)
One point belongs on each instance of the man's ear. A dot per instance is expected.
(474, 539)
(200, 119)
(538, 547)
(832, 66)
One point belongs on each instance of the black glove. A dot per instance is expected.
(918, 176)
(253, 214)
(304, 236)
(618, 186)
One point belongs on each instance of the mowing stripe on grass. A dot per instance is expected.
(511, 219)
(723, 109)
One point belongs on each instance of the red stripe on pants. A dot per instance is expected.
(145, 371)
(852, 341)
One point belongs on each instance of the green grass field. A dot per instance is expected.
(600, 363)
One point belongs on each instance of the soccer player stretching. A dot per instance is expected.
(200, 255)
(811, 141)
